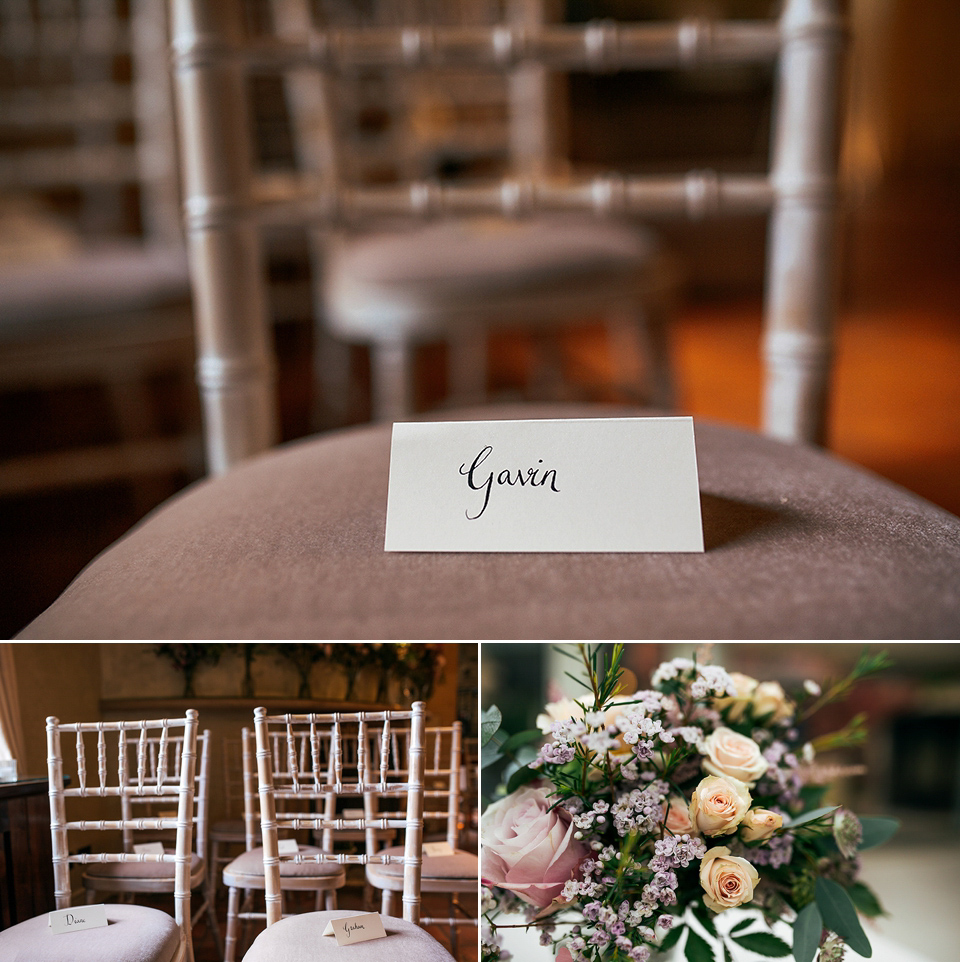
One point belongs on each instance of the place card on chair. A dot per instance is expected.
(437, 849)
(287, 846)
(356, 928)
(600, 484)
(148, 848)
(78, 919)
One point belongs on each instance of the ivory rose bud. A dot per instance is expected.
(736, 704)
(727, 880)
(718, 805)
(733, 755)
(769, 697)
(759, 824)
(678, 821)
(527, 848)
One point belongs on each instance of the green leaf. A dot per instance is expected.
(876, 831)
(490, 721)
(865, 901)
(520, 777)
(741, 925)
(697, 949)
(705, 917)
(807, 929)
(764, 943)
(490, 755)
(811, 816)
(672, 937)
(521, 738)
(840, 916)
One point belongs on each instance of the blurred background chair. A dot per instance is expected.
(454, 281)
(451, 871)
(285, 758)
(148, 765)
(229, 832)
(94, 281)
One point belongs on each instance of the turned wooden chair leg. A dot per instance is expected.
(233, 909)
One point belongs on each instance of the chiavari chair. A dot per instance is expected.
(134, 933)
(299, 938)
(154, 757)
(246, 872)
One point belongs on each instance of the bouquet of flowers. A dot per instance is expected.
(645, 815)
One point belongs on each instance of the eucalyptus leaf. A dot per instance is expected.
(490, 721)
(763, 943)
(876, 831)
(807, 929)
(865, 900)
(490, 755)
(840, 916)
(811, 816)
(697, 949)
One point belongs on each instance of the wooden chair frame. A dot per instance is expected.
(224, 212)
(283, 765)
(182, 787)
(368, 783)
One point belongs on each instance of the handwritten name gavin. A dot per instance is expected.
(477, 480)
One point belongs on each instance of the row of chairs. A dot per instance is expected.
(398, 773)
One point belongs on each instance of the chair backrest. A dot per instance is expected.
(442, 751)
(319, 778)
(112, 782)
(224, 211)
(159, 752)
(86, 109)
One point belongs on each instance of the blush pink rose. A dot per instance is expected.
(732, 755)
(678, 821)
(527, 848)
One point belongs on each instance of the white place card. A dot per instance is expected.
(287, 846)
(78, 919)
(436, 849)
(148, 848)
(604, 484)
(356, 928)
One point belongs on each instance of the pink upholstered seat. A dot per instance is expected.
(290, 545)
(248, 868)
(134, 934)
(460, 865)
(299, 939)
(143, 870)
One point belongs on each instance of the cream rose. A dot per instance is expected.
(769, 697)
(678, 821)
(718, 805)
(759, 824)
(727, 880)
(736, 705)
(528, 849)
(730, 754)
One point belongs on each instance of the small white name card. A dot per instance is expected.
(148, 848)
(606, 484)
(356, 928)
(77, 919)
(287, 846)
(435, 849)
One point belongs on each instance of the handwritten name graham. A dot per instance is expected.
(536, 477)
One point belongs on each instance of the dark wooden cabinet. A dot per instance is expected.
(26, 873)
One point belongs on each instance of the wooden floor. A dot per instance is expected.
(896, 398)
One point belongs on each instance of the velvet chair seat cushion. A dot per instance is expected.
(134, 934)
(249, 866)
(460, 865)
(298, 939)
(799, 544)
